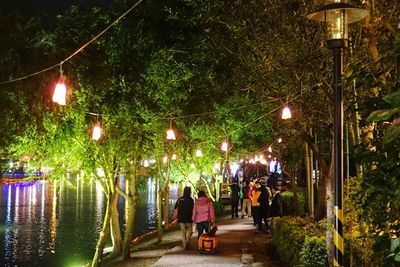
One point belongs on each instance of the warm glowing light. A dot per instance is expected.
(269, 156)
(279, 140)
(60, 92)
(224, 146)
(96, 134)
(286, 114)
(261, 157)
(173, 157)
(192, 166)
(199, 153)
(270, 149)
(165, 159)
(171, 134)
(256, 158)
(146, 163)
(264, 162)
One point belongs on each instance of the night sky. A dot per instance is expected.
(48, 6)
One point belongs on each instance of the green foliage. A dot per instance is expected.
(313, 252)
(291, 233)
(288, 198)
(218, 208)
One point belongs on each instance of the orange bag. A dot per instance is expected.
(208, 243)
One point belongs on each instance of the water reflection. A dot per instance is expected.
(50, 224)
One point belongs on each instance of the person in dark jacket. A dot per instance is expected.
(276, 210)
(234, 199)
(263, 209)
(185, 211)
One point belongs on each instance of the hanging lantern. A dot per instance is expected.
(171, 134)
(60, 92)
(224, 146)
(146, 163)
(96, 134)
(199, 153)
(286, 114)
(165, 159)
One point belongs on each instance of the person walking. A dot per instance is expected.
(184, 206)
(276, 210)
(246, 205)
(255, 194)
(203, 213)
(234, 199)
(263, 209)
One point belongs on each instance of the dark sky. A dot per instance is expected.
(48, 6)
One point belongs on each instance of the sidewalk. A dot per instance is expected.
(238, 246)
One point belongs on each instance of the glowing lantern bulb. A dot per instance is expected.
(224, 146)
(173, 157)
(171, 134)
(279, 140)
(146, 163)
(60, 92)
(270, 149)
(286, 114)
(96, 132)
(199, 153)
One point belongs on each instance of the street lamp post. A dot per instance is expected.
(337, 15)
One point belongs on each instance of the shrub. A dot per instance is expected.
(288, 198)
(218, 208)
(313, 252)
(290, 236)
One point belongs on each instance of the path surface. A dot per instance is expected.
(238, 246)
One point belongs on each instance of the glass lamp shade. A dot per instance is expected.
(338, 15)
(171, 134)
(60, 92)
(224, 146)
(96, 134)
(286, 114)
(199, 153)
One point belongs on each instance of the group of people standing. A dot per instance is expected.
(189, 211)
(263, 203)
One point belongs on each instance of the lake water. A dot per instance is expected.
(42, 227)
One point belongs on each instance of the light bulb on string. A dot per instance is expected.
(145, 163)
(171, 133)
(96, 133)
(173, 157)
(224, 146)
(286, 114)
(279, 140)
(270, 149)
(60, 91)
(199, 153)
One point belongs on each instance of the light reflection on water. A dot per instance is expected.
(43, 225)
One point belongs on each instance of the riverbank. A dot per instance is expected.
(239, 246)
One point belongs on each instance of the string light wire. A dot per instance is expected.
(78, 50)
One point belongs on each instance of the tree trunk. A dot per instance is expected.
(166, 203)
(104, 234)
(131, 213)
(159, 213)
(293, 183)
(114, 226)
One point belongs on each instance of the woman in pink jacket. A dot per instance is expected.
(203, 213)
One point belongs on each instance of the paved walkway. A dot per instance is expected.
(238, 246)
